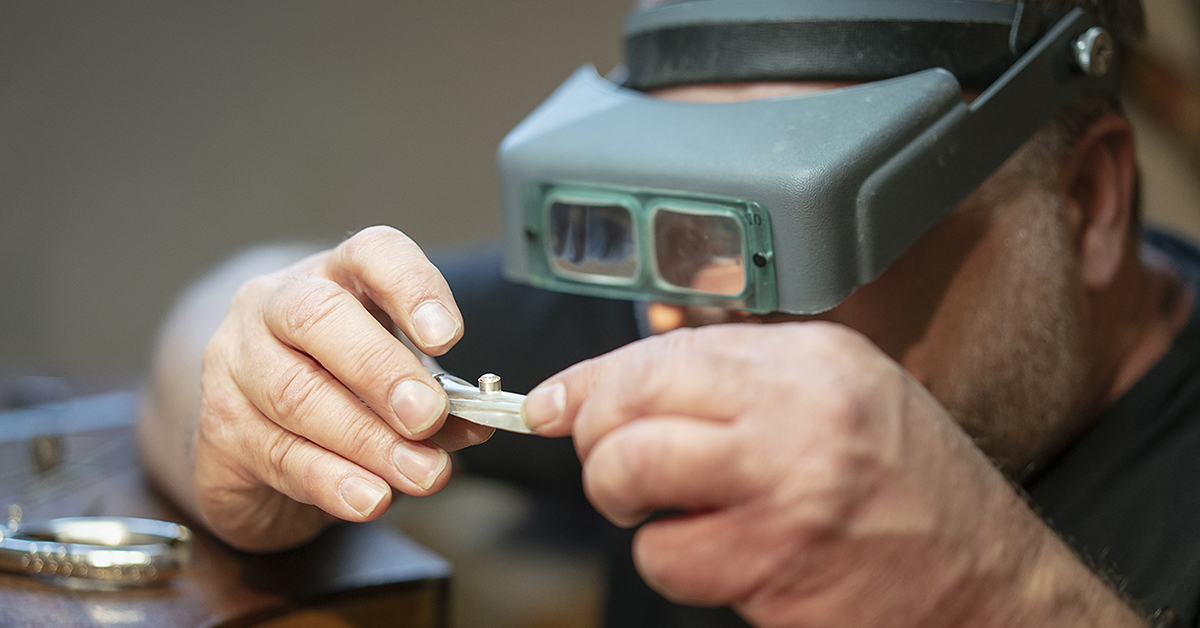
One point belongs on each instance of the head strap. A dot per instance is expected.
(721, 41)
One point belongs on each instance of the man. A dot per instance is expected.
(849, 464)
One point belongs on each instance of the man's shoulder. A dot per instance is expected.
(1181, 250)
(1124, 493)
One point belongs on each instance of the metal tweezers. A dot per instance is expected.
(486, 404)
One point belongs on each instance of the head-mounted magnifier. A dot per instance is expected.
(787, 203)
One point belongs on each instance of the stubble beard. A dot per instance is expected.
(1019, 376)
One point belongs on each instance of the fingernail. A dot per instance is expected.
(362, 495)
(416, 405)
(434, 324)
(420, 463)
(544, 405)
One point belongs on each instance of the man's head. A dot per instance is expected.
(1008, 308)
(996, 308)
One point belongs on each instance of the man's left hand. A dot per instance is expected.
(809, 480)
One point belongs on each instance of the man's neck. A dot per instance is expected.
(1138, 319)
(1133, 324)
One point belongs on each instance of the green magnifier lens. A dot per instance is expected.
(650, 244)
(699, 251)
(591, 241)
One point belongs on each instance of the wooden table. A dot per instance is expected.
(352, 576)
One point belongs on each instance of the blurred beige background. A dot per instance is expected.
(142, 141)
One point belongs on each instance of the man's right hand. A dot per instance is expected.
(311, 409)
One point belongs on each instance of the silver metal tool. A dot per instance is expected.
(486, 404)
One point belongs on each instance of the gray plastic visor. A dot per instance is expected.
(784, 204)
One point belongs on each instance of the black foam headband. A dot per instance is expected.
(721, 41)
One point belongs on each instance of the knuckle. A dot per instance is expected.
(838, 482)
(414, 287)
(373, 366)
(850, 346)
(846, 425)
(389, 268)
(840, 401)
(653, 362)
(366, 245)
(836, 504)
(281, 451)
(684, 338)
(315, 303)
(640, 381)
(358, 440)
(418, 282)
(295, 388)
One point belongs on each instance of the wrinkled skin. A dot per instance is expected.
(820, 485)
(308, 411)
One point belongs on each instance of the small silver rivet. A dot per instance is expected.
(489, 383)
(1094, 52)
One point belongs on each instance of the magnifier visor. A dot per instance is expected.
(781, 204)
(698, 251)
(611, 241)
(592, 241)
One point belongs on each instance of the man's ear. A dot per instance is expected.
(1099, 183)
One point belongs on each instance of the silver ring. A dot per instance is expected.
(120, 550)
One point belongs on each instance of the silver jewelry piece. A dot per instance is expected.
(489, 383)
(119, 550)
(486, 405)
